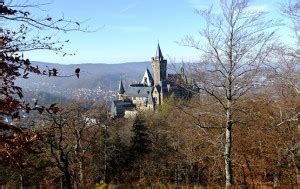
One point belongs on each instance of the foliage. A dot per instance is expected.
(237, 43)
(182, 143)
(16, 141)
(140, 140)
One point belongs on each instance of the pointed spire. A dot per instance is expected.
(121, 88)
(159, 53)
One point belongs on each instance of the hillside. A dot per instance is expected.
(97, 81)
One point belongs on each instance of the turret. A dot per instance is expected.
(121, 90)
(159, 66)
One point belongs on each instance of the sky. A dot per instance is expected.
(129, 30)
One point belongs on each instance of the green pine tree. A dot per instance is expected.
(140, 141)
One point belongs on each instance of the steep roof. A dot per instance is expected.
(123, 104)
(138, 91)
(159, 54)
(121, 88)
(147, 79)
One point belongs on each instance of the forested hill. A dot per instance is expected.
(97, 81)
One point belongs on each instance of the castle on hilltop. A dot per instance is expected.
(151, 91)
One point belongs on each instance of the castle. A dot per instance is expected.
(151, 91)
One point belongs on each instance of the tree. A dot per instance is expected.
(237, 43)
(139, 144)
(140, 139)
(286, 71)
(14, 41)
(292, 10)
(70, 137)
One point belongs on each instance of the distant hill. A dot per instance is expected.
(97, 81)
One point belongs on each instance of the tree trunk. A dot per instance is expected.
(67, 180)
(276, 182)
(61, 183)
(81, 173)
(21, 182)
(67, 174)
(105, 155)
(227, 149)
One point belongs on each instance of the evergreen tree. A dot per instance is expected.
(140, 140)
(119, 159)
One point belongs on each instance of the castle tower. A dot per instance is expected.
(159, 66)
(121, 90)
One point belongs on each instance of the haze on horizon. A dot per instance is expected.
(128, 30)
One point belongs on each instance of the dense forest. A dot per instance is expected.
(81, 146)
(240, 128)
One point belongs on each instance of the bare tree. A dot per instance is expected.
(287, 69)
(14, 40)
(234, 44)
(70, 136)
(292, 10)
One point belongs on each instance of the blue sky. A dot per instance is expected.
(130, 29)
